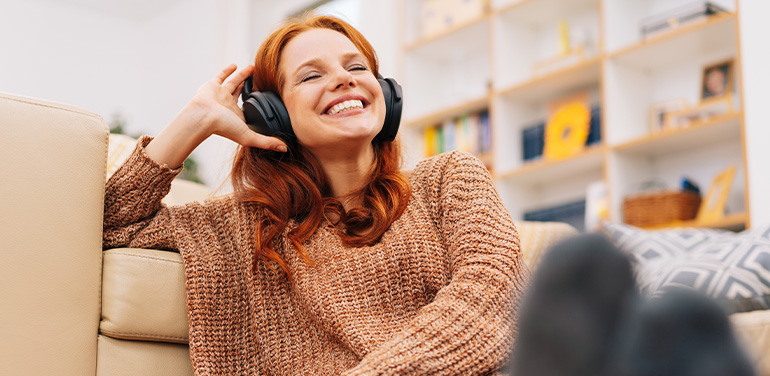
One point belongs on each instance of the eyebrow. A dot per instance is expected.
(316, 61)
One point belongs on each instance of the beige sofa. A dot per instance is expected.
(69, 308)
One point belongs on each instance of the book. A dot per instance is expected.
(429, 139)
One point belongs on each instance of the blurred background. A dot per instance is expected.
(617, 86)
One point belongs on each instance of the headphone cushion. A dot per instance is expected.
(265, 113)
(392, 93)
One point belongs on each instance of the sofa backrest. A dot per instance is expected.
(53, 162)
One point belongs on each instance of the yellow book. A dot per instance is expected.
(430, 141)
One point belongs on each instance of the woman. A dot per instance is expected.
(326, 260)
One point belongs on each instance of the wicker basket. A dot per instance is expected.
(659, 208)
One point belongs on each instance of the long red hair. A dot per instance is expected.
(292, 186)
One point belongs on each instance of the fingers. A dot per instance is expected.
(249, 138)
(237, 90)
(257, 140)
(235, 82)
(226, 72)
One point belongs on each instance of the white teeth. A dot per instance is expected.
(345, 106)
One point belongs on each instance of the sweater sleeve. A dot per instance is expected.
(468, 329)
(133, 213)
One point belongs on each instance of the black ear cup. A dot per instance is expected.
(265, 113)
(391, 90)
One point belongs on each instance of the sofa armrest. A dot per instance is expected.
(54, 159)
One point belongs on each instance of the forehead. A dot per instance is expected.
(315, 44)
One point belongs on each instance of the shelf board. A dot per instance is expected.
(543, 11)
(538, 88)
(687, 40)
(428, 39)
(717, 129)
(735, 221)
(544, 171)
(450, 112)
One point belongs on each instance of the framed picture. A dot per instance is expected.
(660, 110)
(717, 80)
(712, 207)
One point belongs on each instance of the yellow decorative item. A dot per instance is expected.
(564, 43)
(712, 208)
(567, 131)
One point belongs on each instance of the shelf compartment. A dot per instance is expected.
(450, 31)
(473, 105)
(550, 172)
(447, 72)
(540, 88)
(683, 43)
(528, 36)
(718, 129)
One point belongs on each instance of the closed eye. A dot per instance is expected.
(309, 77)
(358, 68)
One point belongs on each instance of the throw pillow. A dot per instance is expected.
(732, 268)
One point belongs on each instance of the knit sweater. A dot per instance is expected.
(436, 296)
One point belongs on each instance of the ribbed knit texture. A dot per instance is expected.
(436, 296)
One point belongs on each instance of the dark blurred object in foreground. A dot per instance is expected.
(683, 333)
(569, 316)
(583, 316)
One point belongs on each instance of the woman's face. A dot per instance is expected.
(334, 100)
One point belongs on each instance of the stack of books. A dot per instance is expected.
(470, 132)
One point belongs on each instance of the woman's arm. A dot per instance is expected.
(133, 214)
(468, 328)
(213, 110)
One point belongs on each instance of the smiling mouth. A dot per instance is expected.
(353, 104)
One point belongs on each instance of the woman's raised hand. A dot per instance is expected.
(212, 110)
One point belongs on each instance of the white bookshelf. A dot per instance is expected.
(494, 60)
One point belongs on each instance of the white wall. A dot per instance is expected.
(81, 57)
(146, 66)
(144, 69)
(754, 30)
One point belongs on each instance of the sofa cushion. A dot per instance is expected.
(753, 330)
(733, 268)
(119, 357)
(535, 238)
(143, 295)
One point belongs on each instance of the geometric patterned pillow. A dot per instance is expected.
(732, 268)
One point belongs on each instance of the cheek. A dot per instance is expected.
(299, 107)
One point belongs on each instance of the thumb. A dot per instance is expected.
(250, 138)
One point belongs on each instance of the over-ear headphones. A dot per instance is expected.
(266, 114)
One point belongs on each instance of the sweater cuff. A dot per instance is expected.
(141, 170)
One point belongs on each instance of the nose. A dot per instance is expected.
(342, 78)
